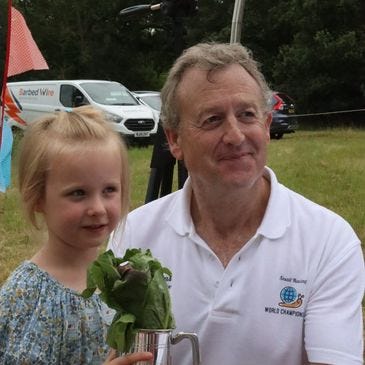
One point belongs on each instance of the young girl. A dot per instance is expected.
(73, 172)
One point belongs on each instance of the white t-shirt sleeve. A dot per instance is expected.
(333, 322)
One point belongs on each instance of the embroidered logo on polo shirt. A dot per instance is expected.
(290, 299)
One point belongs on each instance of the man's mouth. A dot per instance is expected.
(234, 156)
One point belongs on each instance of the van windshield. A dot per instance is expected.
(109, 93)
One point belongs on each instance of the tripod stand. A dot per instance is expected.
(162, 169)
(162, 161)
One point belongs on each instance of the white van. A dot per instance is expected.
(29, 100)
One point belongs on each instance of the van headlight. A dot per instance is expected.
(113, 117)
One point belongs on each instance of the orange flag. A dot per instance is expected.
(24, 54)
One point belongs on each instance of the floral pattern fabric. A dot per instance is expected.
(42, 322)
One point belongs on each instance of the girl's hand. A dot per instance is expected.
(129, 359)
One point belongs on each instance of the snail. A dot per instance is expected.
(296, 304)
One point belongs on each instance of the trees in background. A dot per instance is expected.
(323, 63)
(312, 49)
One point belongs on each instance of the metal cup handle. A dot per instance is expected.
(194, 344)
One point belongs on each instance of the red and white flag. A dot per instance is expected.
(24, 54)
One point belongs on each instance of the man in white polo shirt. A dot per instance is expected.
(261, 274)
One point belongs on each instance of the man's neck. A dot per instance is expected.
(227, 224)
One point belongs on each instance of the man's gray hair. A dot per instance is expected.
(209, 57)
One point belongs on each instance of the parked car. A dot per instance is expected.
(283, 115)
(151, 99)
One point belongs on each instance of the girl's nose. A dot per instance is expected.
(96, 206)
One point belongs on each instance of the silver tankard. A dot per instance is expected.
(159, 342)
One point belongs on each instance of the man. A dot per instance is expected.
(261, 274)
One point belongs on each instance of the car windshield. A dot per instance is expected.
(154, 101)
(109, 93)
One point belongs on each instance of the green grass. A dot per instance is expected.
(139, 162)
(326, 166)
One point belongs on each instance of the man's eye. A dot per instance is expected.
(247, 116)
(211, 122)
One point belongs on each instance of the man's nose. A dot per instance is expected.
(233, 131)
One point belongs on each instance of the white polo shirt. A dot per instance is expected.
(293, 290)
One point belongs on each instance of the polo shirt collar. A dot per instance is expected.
(274, 224)
(178, 215)
(277, 217)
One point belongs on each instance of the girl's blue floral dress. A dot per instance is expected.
(42, 322)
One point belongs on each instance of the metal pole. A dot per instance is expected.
(236, 28)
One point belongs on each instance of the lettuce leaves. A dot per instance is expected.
(135, 286)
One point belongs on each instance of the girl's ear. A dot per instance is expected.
(38, 207)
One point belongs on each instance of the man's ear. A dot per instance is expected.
(173, 139)
(268, 124)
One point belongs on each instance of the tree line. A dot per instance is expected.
(314, 50)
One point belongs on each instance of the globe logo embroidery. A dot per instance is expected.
(290, 297)
(288, 294)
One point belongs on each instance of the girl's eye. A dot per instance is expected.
(110, 189)
(77, 193)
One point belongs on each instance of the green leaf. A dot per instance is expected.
(121, 332)
(131, 291)
(157, 310)
(139, 294)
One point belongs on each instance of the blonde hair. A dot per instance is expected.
(64, 132)
(209, 57)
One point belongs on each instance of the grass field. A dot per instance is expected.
(326, 166)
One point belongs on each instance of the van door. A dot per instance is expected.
(28, 101)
